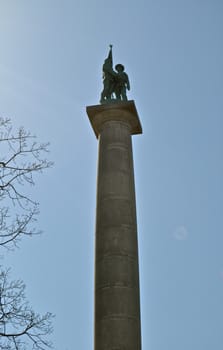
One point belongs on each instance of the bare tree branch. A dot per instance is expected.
(20, 327)
(21, 157)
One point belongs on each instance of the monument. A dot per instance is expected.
(117, 298)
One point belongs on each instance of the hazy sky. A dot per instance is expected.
(50, 69)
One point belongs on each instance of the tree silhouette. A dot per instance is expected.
(20, 158)
(20, 327)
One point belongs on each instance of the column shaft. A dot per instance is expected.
(117, 306)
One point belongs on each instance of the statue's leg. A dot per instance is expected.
(123, 94)
(102, 96)
(117, 92)
(105, 92)
(111, 89)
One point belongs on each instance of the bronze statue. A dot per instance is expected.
(115, 83)
(122, 82)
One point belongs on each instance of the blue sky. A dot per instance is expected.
(50, 69)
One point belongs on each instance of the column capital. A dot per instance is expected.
(121, 111)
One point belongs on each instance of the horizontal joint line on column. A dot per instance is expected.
(113, 196)
(117, 146)
(125, 255)
(119, 171)
(116, 286)
(119, 317)
(104, 226)
(116, 121)
(128, 226)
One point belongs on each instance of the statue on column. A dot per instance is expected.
(115, 82)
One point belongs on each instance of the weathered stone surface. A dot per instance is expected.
(117, 302)
(122, 111)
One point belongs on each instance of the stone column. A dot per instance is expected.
(117, 302)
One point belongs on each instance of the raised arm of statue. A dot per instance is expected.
(108, 78)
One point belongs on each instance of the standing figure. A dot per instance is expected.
(108, 78)
(121, 83)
